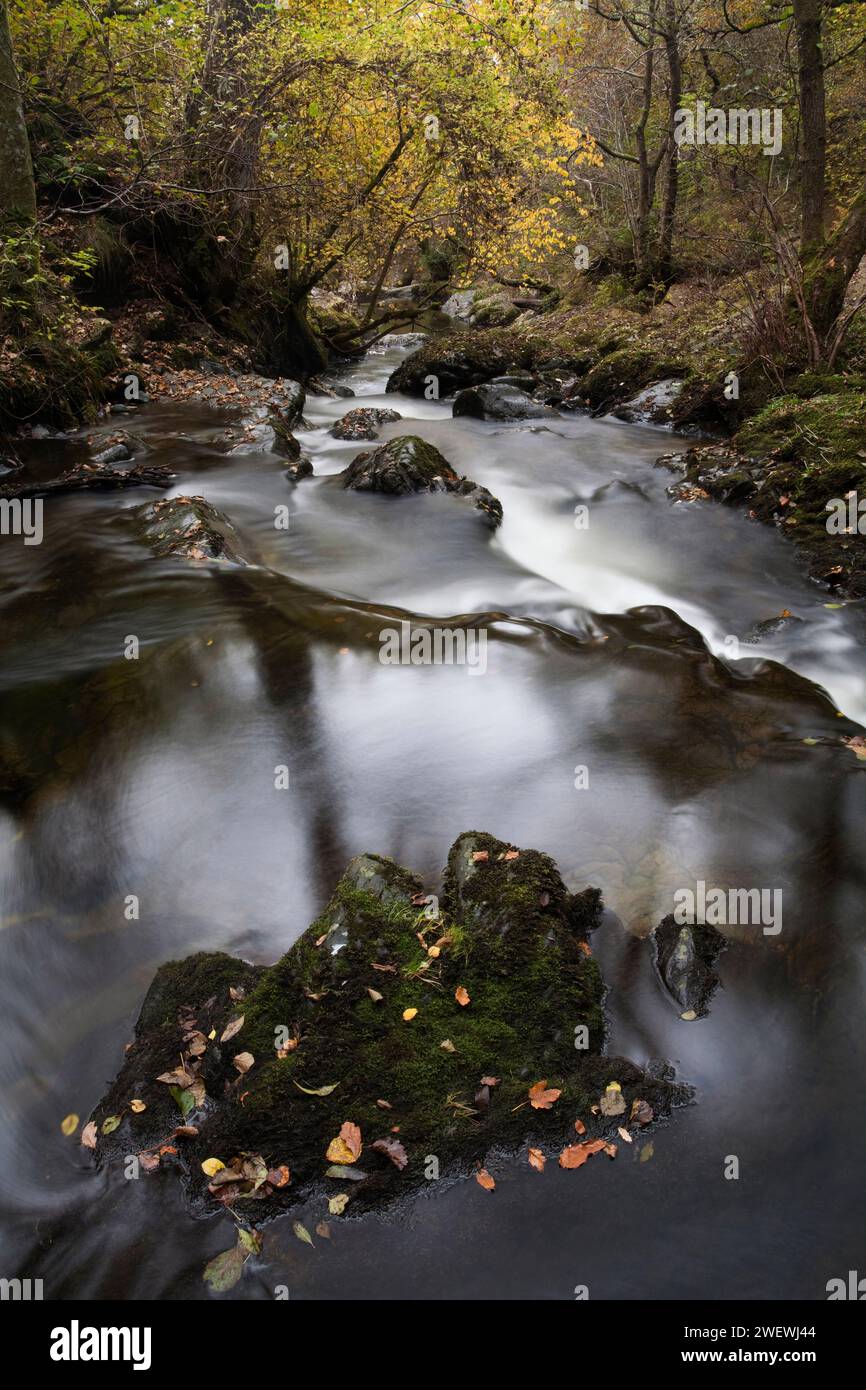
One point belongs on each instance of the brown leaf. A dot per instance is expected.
(575, 1155)
(537, 1160)
(461, 996)
(148, 1161)
(386, 969)
(323, 1230)
(279, 1177)
(642, 1111)
(580, 1126)
(610, 1150)
(540, 1097)
(232, 1028)
(489, 1081)
(394, 1150)
(244, 1061)
(481, 856)
(511, 854)
(483, 1178)
(179, 1077)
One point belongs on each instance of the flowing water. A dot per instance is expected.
(609, 649)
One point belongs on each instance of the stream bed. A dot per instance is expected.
(612, 649)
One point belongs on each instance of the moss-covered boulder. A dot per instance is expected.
(409, 464)
(409, 1029)
(461, 359)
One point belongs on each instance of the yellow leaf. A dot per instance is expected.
(136, 1106)
(212, 1166)
(461, 996)
(408, 1015)
(69, 1125)
(337, 1205)
(339, 1152)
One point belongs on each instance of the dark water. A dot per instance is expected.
(609, 649)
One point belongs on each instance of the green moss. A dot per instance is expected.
(509, 934)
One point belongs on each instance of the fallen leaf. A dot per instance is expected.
(337, 1205)
(624, 1134)
(857, 744)
(279, 1177)
(345, 1173)
(69, 1125)
(323, 1230)
(236, 994)
(580, 1126)
(646, 1153)
(179, 1077)
(511, 854)
(394, 1150)
(575, 1155)
(224, 1271)
(347, 1146)
(244, 1061)
(689, 1016)
(320, 1091)
(642, 1111)
(585, 947)
(408, 1015)
(232, 1028)
(384, 1105)
(610, 1150)
(110, 1125)
(483, 1178)
(88, 1135)
(386, 969)
(250, 1240)
(136, 1106)
(448, 1045)
(302, 1233)
(540, 1097)
(612, 1103)
(149, 1161)
(489, 1081)
(375, 995)
(212, 1166)
(480, 856)
(461, 996)
(434, 951)
(537, 1160)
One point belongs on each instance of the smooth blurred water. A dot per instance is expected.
(156, 778)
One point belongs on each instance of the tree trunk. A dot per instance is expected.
(675, 89)
(813, 124)
(17, 188)
(828, 273)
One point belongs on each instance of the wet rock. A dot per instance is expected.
(458, 360)
(115, 453)
(409, 464)
(685, 958)
(772, 627)
(652, 405)
(489, 306)
(499, 401)
(274, 1062)
(188, 528)
(363, 423)
(715, 469)
(300, 468)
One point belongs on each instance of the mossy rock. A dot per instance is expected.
(461, 359)
(620, 374)
(410, 464)
(188, 528)
(339, 1007)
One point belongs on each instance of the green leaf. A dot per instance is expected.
(250, 1240)
(185, 1100)
(224, 1270)
(322, 1090)
(110, 1125)
(302, 1233)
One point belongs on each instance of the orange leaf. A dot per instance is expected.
(351, 1137)
(540, 1097)
(481, 856)
(580, 1126)
(483, 1178)
(461, 996)
(537, 1159)
(575, 1155)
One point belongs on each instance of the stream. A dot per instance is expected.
(609, 649)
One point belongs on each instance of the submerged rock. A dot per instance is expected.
(409, 464)
(771, 627)
(500, 401)
(685, 959)
(411, 1028)
(188, 528)
(364, 423)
